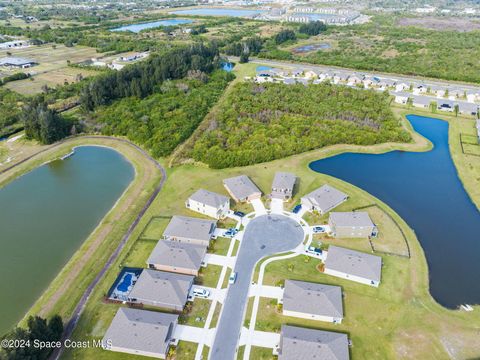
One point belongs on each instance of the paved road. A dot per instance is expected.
(72, 323)
(405, 78)
(264, 236)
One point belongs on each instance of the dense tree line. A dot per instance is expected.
(313, 28)
(258, 123)
(10, 111)
(165, 119)
(37, 329)
(284, 36)
(141, 79)
(14, 77)
(44, 124)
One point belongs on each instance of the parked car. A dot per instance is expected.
(202, 293)
(297, 209)
(231, 232)
(318, 229)
(239, 213)
(314, 250)
(232, 278)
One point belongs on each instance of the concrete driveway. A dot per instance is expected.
(258, 206)
(265, 235)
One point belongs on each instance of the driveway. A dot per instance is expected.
(276, 206)
(258, 207)
(265, 235)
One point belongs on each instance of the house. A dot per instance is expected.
(283, 185)
(438, 91)
(312, 301)
(241, 188)
(471, 96)
(323, 199)
(17, 62)
(190, 230)
(161, 289)
(309, 344)
(353, 265)
(140, 332)
(467, 108)
(385, 84)
(421, 101)
(340, 78)
(355, 79)
(312, 74)
(401, 97)
(353, 224)
(297, 73)
(454, 93)
(420, 89)
(209, 203)
(174, 256)
(401, 86)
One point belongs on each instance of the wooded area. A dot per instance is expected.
(258, 123)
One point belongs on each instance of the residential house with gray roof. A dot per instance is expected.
(190, 230)
(309, 344)
(352, 224)
(178, 257)
(353, 265)
(140, 332)
(209, 203)
(283, 185)
(161, 289)
(17, 62)
(323, 199)
(313, 301)
(241, 188)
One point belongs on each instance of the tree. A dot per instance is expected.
(456, 109)
(312, 28)
(243, 58)
(284, 35)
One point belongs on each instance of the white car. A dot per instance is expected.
(201, 293)
(232, 278)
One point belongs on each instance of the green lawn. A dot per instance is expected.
(195, 314)
(216, 315)
(185, 351)
(260, 353)
(208, 276)
(219, 246)
(155, 227)
(139, 253)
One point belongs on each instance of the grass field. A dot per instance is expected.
(52, 68)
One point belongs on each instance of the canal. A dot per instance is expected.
(46, 214)
(425, 190)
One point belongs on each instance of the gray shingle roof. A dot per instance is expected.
(312, 298)
(308, 344)
(283, 180)
(351, 218)
(189, 227)
(169, 289)
(209, 198)
(141, 330)
(241, 186)
(354, 263)
(178, 254)
(326, 197)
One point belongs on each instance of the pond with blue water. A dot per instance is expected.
(425, 190)
(136, 28)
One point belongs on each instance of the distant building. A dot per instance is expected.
(354, 224)
(283, 185)
(323, 199)
(401, 97)
(209, 203)
(308, 344)
(313, 301)
(353, 265)
(161, 289)
(174, 256)
(421, 101)
(15, 44)
(241, 188)
(17, 62)
(190, 230)
(141, 332)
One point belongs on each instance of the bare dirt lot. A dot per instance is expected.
(457, 24)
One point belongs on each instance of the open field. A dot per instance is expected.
(52, 68)
(436, 23)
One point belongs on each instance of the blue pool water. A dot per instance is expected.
(228, 66)
(218, 12)
(136, 28)
(425, 190)
(126, 282)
